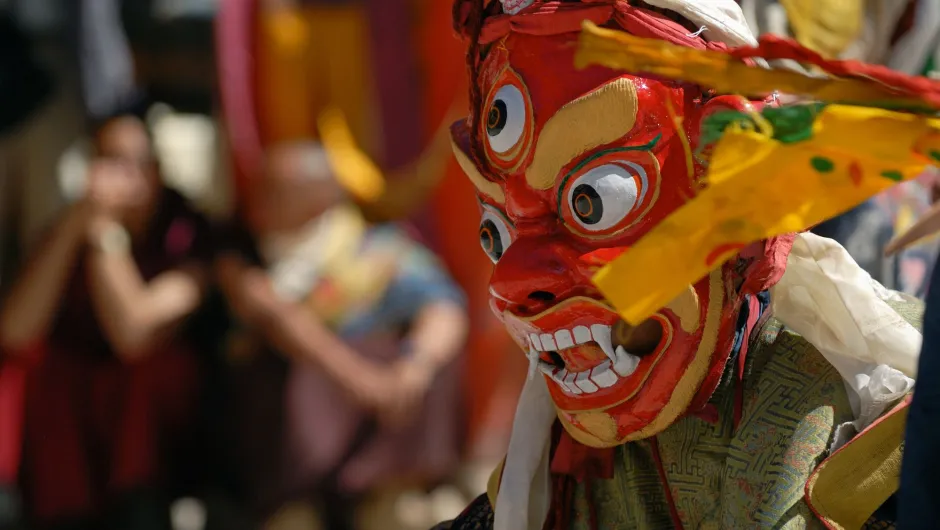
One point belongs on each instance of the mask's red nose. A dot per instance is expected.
(535, 273)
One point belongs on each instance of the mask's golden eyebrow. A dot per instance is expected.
(486, 187)
(597, 118)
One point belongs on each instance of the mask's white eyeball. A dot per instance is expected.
(605, 195)
(505, 119)
(495, 236)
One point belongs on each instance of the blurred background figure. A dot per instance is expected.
(903, 35)
(394, 69)
(345, 356)
(92, 321)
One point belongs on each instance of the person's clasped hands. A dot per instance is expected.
(394, 393)
(111, 194)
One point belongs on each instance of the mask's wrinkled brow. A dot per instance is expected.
(598, 118)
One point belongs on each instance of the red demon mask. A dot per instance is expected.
(572, 168)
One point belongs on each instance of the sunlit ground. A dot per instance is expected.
(385, 510)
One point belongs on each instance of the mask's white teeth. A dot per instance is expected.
(568, 382)
(604, 375)
(536, 343)
(548, 342)
(581, 334)
(601, 334)
(563, 339)
(583, 380)
(625, 363)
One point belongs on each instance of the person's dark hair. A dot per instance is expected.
(134, 108)
(133, 114)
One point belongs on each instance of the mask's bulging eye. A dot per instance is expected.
(495, 236)
(506, 119)
(601, 198)
(496, 119)
(587, 204)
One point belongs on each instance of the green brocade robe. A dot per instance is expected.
(721, 477)
(771, 471)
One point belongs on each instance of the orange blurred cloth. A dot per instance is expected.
(309, 59)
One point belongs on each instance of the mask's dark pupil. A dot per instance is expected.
(496, 119)
(489, 239)
(587, 204)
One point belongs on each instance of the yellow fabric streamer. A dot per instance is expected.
(759, 187)
(717, 70)
(825, 26)
(354, 169)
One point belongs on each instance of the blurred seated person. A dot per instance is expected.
(347, 347)
(92, 322)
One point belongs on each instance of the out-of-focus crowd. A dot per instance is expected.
(297, 352)
(289, 361)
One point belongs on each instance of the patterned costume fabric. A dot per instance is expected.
(477, 516)
(726, 474)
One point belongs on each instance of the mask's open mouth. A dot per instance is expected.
(585, 359)
(639, 340)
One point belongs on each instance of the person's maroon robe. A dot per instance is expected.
(89, 425)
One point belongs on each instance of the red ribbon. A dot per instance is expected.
(549, 18)
(772, 47)
(577, 460)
